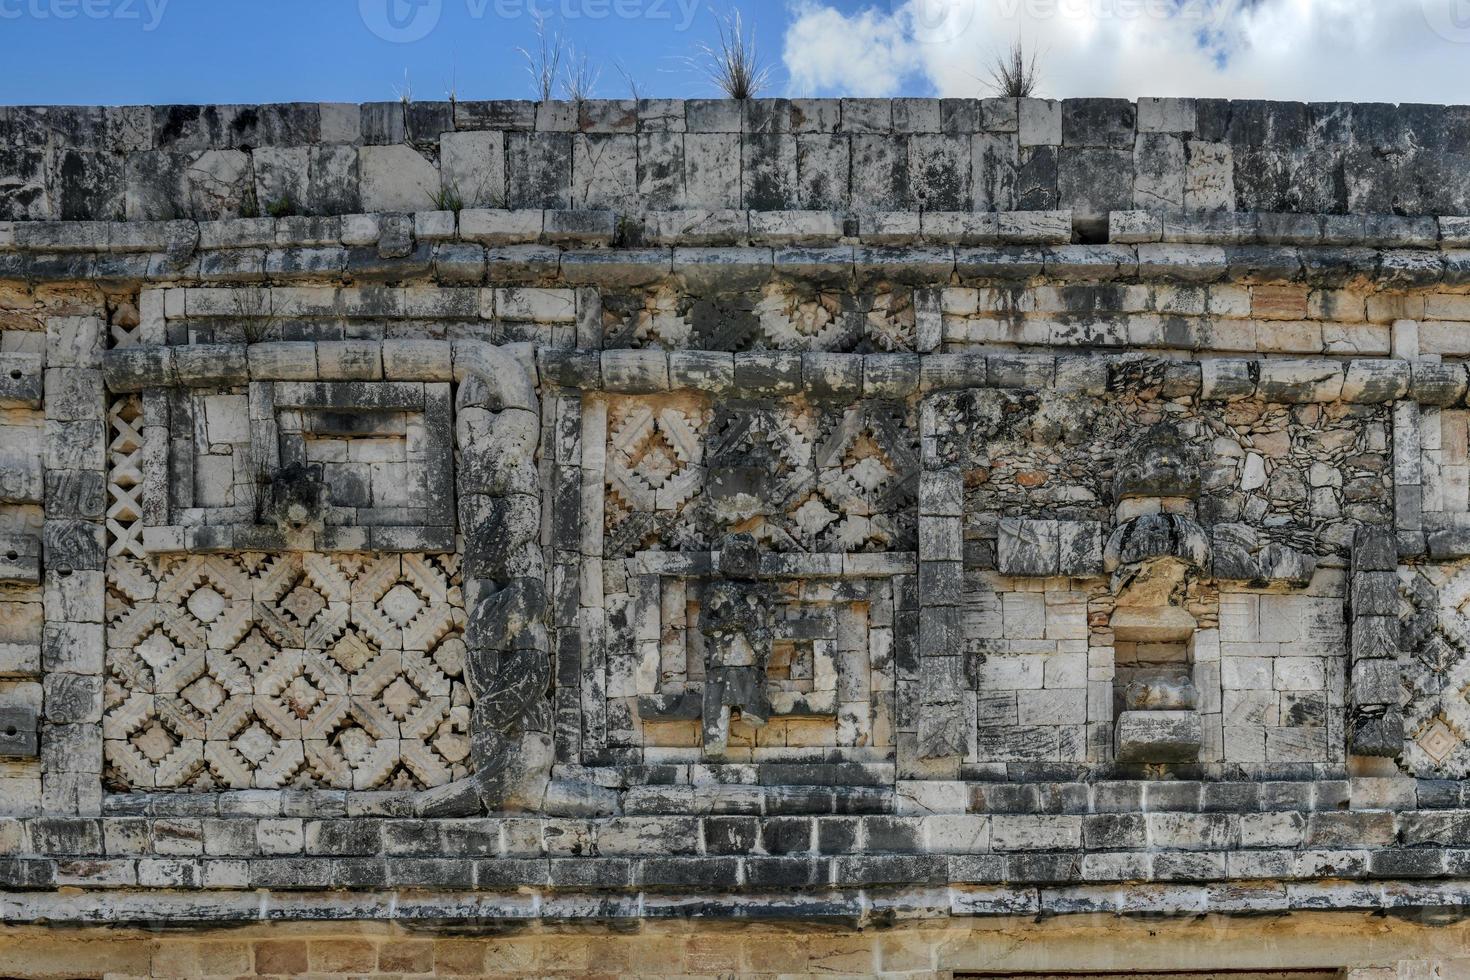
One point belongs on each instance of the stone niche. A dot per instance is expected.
(1120, 552)
(1155, 556)
(820, 496)
(330, 466)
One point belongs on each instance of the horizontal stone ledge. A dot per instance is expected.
(572, 228)
(850, 906)
(1073, 122)
(745, 834)
(705, 227)
(1384, 231)
(1299, 879)
(731, 269)
(778, 373)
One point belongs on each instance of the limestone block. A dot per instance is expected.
(472, 168)
(1375, 381)
(360, 229)
(25, 195)
(1098, 122)
(1133, 227)
(74, 341)
(788, 227)
(1296, 382)
(1209, 177)
(823, 162)
(21, 380)
(397, 178)
(895, 227)
(961, 227)
(349, 360)
(282, 178)
(1190, 263)
(834, 375)
(1376, 682)
(695, 227)
(416, 360)
(710, 371)
(1159, 171)
(635, 370)
(879, 180)
(1166, 115)
(433, 226)
(220, 184)
(1377, 733)
(712, 170)
(1028, 547)
(1080, 548)
(604, 171)
(494, 227)
(1040, 122)
(1158, 736)
(994, 160)
(582, 227)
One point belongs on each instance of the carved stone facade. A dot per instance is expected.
(258, 671)
(980, 541)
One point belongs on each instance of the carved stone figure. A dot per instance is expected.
(735, 618)
(295, 497)
(1160, 464)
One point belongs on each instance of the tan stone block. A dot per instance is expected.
(462, 956)
(176, 959)
(1279, 302)
(1289, 336)
(342, 956)
(406, 956)
(287, 957)
(224, 959)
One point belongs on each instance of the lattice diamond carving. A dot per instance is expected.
(1435, 665)
(799, 476)
(125, 477)
(296, 670)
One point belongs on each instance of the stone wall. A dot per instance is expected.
(1090, 156)
(833, 512)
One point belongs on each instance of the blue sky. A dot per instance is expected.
(131, 51)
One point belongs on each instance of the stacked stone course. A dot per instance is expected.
(1091, 478)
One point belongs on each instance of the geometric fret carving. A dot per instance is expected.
(799, 476)
(1434, 669)
(125, 477)
(288, 671)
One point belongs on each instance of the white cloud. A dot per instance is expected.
(866, 54)
(1330, 50)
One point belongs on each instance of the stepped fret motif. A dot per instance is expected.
(254, 671)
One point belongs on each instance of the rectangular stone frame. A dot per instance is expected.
(573, 466)
(173, 523)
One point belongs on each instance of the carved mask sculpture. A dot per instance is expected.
(294, 501)
(735, 618)
(1153, 554)
(1160, 464)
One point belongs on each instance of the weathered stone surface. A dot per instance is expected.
(830, 509)
(1158, 736)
